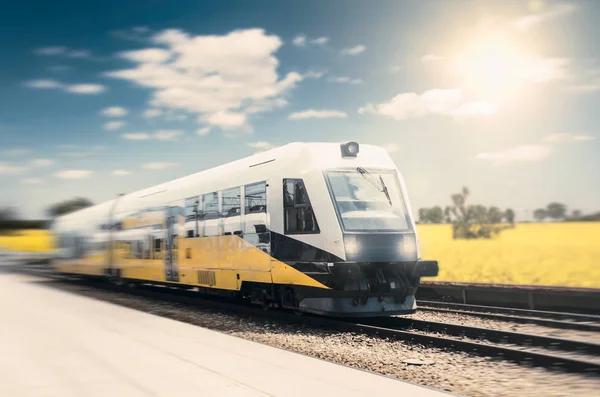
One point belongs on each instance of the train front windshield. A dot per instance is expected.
(368, 201)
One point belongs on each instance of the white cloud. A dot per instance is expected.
(225, 120)
(114, 125)
(57, 50)
(79, 54)
(317, 114)
(448, 102)
(203, 131)
(587, 81)
(161, 135)
(302, 40)
(85, 88)
(552, 12)
(149, 55)
(313, 75)
(590, 86)
(430, 58)
(391, 147)
(220, 78)
(31, 181)
(43, 84)
(474, 108)
(159, 165)
(523, 153)
(60, 50)
(72, 88)
(114, 111)
(16, 152)
(167, 135)
(567, 137)
(42, 163)
(542, 70)
(73, 174)
(344, 80)
(299, 41)
(120, 173)
(137, 136)
(261, 146)
(9, 169)
(152, 113)
(320, 40)
(357, 49)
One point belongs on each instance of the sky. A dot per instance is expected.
(105, 97)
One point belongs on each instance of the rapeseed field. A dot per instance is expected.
(554, 254)
(27, 241)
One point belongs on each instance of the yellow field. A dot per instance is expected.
(27, 241)
(565, 254)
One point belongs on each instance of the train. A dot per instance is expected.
(320, 228)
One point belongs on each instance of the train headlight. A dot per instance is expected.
(408, 247)
(351, 245)
(349, 149)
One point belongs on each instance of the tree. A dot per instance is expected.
(436, 215)
(422, 215)
(540, 214)
(556, 210)
(576, 214)
(431, 215)
(478, 214)
(8, 214)
(473, 221)
(509, 215)
(447, 216)
(459, 210)
(495, 215)
(64, 207)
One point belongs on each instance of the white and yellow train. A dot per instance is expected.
(323, 228)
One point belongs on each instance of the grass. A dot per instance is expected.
(556, 254)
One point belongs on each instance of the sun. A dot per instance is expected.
(492, 66)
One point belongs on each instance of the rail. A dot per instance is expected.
(581, 300)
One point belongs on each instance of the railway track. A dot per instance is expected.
(393, 328)
(583, 322)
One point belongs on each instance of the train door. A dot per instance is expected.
(171, 244)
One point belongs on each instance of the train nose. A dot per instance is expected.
(394, 247)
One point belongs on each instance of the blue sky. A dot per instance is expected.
(105, 97)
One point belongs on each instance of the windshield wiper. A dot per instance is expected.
(380, 186)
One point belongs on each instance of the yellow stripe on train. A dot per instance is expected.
(220, 262)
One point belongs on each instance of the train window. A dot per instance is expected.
(157, 244)
(140, 250)
(256, 198)
(231, 202)
(210, 206)
(150, 247)
(299, 217)
(193, 213)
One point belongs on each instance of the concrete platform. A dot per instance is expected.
(54, 343)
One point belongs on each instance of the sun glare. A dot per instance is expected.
(492, 67)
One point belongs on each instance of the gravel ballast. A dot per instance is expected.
(535, 329)
(446, 370)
